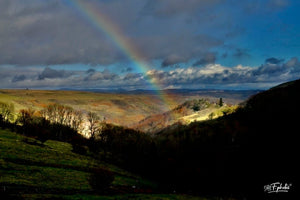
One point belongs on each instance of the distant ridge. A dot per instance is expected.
(214, 92)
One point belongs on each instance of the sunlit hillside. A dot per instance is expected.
(190, 111)
(120, 109)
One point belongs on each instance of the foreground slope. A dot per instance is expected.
(242, 152)
(29, 168)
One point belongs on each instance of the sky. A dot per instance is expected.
(149, 44)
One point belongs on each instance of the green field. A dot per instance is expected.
(32, 170)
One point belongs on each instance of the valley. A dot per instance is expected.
(201, 146)
(128, 109)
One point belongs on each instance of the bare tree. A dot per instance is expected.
(68, 116)
(93, 120)
(61, 113)
(76, 120)
(25, 117)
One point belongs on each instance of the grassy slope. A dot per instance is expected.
(185, 114)
(120, 109)
(32, 171)
(116, 108)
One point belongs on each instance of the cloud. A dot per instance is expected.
(52, 74)
(48, 78)
(216, 74)
(293, 64)
(171, 31)
(54, 32)
(163, 34)
(18, 78)
(172, 60)
(127, 69)
(133, 76)
(241, 53)
(90, 71)
(273, 60)
(206, 76)
(49, 33)
(275, 68)
(208, 58)
(105, 75)
(168, 8)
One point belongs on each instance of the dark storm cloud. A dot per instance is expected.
(54, 32)
(50, 32)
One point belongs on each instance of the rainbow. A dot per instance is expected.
(103, 24)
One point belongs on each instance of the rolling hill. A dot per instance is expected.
(189, 111)
(125, 108)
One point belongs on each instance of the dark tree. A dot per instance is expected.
(221, 102)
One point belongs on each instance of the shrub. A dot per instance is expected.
(79, 149)
(101, 178)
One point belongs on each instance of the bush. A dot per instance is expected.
(101, 178)
(79, 149)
